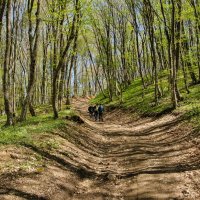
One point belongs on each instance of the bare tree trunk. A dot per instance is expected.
(174, 75)
(177, 50)
(185, 75)
(6, 75)
(15, 46)
(61, 61)
(195, 5)
(150, 26)
(73, 59)
(33, 56)
(44, 70)
(75, 77)
(69, 79)
(2, 8)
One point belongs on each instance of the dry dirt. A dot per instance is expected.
(122, 158)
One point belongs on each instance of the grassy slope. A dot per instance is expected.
(132, 99)
(28, 132)
(144, 105)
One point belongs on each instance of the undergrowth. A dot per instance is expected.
(141, 100)
(27, 132)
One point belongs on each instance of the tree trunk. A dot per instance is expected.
(174, 94)
(33, 57)
(61, 60)
(178, 41)
(2, 8)
(43, 87)
(75, 78)
(6, 82)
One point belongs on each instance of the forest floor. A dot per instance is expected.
(125, 157)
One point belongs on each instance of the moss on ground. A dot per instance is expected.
(34, 127)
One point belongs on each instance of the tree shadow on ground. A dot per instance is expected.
(19, 193)
(80, 171)
(145, 131)
(176, 168)
(86, 171)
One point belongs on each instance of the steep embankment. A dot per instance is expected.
(121, 158)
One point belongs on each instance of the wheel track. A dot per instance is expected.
(146, 159)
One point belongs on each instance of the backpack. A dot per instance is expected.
(100, 109)
(90, 109)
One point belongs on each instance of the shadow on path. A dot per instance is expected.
(18, 193)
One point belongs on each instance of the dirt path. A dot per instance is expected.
(116, 159)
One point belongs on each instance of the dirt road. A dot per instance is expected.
(121, 158)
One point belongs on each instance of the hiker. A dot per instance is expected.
(100, 112)
(96, 114)
(91, 111)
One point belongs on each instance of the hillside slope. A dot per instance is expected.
(140, 101)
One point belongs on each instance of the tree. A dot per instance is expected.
(6, 74)
(60, 64)
(33, 45)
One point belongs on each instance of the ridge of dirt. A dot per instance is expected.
(125, 157)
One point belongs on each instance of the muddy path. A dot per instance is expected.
(120, 158)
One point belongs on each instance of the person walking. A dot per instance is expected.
(91, 111)
(100, 112)
(96, 114)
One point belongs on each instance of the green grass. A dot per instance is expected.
(37, 132)
(33, 127)
(142, 101)
(135, 98)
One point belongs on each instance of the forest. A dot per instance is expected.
(51, 51)
(139, 59)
